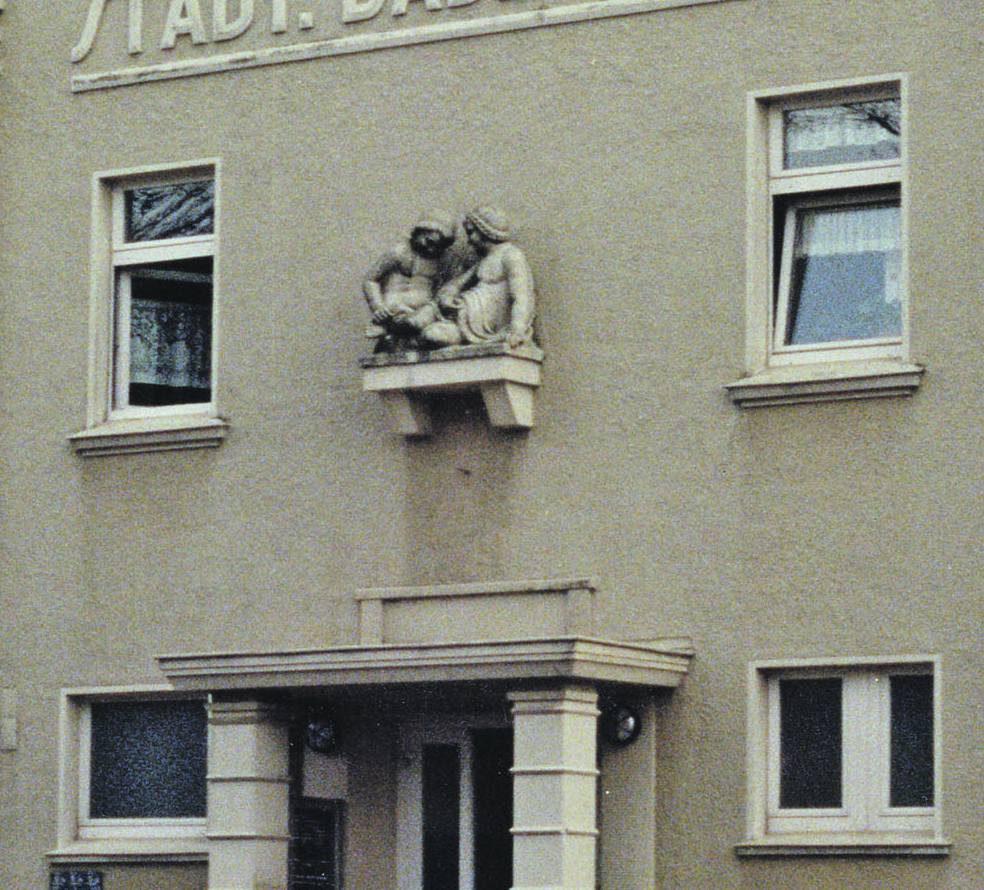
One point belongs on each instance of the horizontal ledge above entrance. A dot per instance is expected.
(655, 663)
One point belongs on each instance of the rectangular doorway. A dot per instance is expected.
(454, 806)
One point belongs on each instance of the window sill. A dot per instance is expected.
(816, 845)
(131, 850)
(167, 433)
(829, 381)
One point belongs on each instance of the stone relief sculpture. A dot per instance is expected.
(419, 300)
(401, 288)
(492, 301)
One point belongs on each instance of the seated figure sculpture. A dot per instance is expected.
(401, 288)
(493, 301)
(418, 302)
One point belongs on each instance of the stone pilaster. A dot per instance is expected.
(248, 797)
(555, 778)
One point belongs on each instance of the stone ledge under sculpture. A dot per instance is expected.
(441, 321)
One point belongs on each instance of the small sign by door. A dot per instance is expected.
(75, 880)
(315, 844)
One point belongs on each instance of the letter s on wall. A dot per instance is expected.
(92, 19)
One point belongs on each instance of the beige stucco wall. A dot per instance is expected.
(619, 148)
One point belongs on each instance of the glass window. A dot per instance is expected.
(827, 304)
(153, 313)
(170, 211)
(855, 132)
(315, 844)
(170, 332)
(850, 751)
(163, 262)
(837, 230)
(844, 277)
(134, 766)
(147, 760)
(810, 743)
(912, 783)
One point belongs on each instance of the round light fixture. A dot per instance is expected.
(321, 736)
(621, 724)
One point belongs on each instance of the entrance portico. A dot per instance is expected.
(545, 691)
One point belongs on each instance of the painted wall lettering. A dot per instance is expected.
(183, 17)
(233, 18)
(225, 29)
(230, 19)
(321, 28)
(360, 10)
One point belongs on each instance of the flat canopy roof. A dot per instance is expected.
(652, 663)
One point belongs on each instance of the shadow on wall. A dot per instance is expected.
(459, 494)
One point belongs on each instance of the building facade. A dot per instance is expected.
(676, 587)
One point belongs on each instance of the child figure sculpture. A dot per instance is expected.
(401, 288)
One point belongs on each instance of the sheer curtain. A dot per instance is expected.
(873, 228)
(169, 344)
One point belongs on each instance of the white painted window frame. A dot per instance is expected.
(124, 254)
(865, 819)
(130, 254)
(854, 369)
(77, 831)
(815, 184)
(112, 426)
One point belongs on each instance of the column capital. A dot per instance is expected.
(564, 698)
(243, 712)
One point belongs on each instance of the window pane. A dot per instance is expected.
(810, 743)
(148, 760)
(170, 211)
(912, 741)
(441, 781)
(171, 333)
(842, 134)
(844, 282)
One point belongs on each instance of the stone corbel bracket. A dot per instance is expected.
(506, 377)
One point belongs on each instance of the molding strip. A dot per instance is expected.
(556, 659)
(482, 588)
(835, 848)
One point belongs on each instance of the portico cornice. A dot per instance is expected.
(651, 663)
